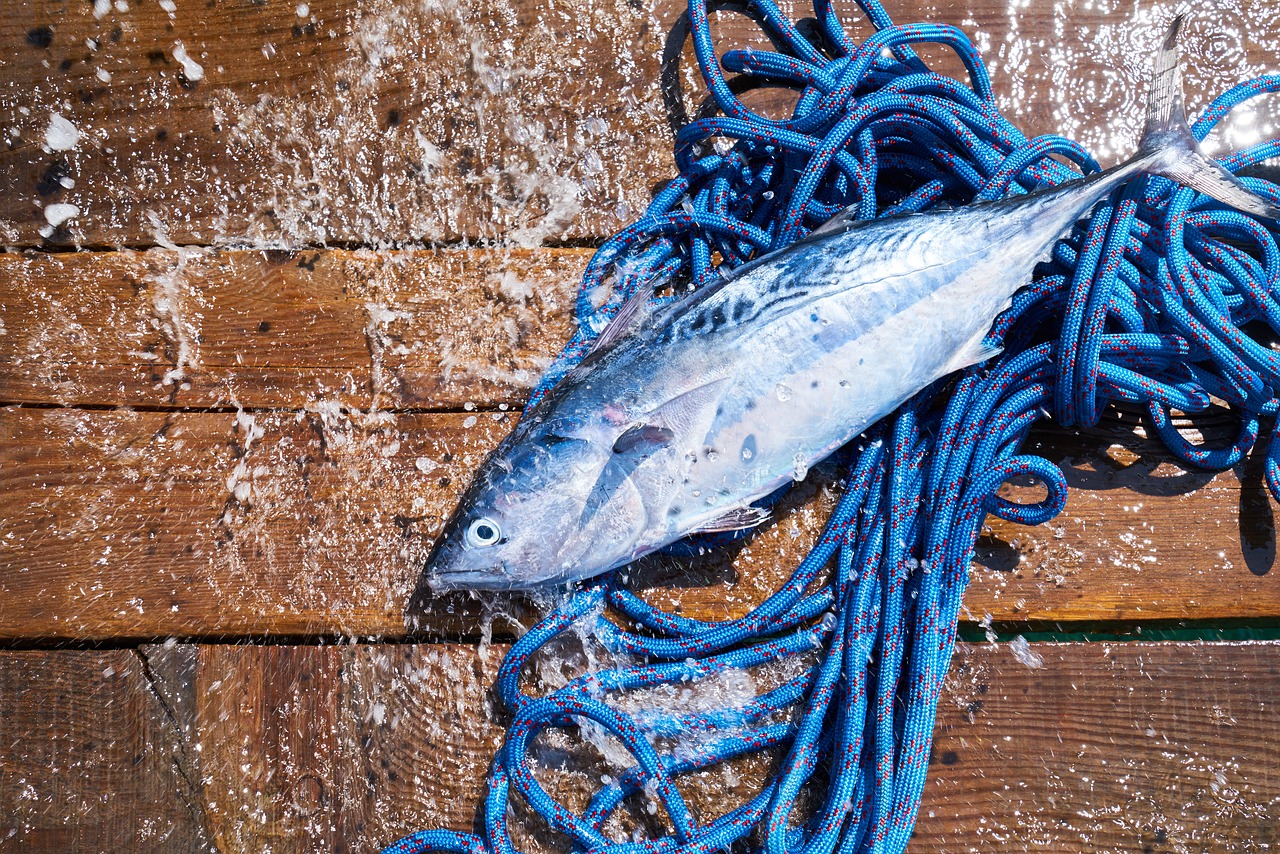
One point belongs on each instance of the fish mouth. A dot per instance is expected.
(482, 578)
(436, 579)
(433, 588)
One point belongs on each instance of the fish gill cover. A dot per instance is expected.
(1161, 300)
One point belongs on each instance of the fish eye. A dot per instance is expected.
(483, 532)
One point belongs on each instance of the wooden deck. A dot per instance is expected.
(221, 467)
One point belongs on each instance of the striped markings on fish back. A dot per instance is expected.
(794, 284)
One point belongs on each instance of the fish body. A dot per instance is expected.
(685, 415)
(764, 374)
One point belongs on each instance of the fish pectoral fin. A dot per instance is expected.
(679, 414)
(643, 438)
(737, 519)
(636, 444)
(613, 477)
(976, 351)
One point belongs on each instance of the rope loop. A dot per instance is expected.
(1024, 514)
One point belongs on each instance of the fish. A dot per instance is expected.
(684, 416)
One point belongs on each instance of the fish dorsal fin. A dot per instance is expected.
(627, 318)
(737, 519)
(839, 222)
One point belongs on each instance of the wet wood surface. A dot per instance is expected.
(201, 440)
(143, 525)
(283, 330)
(92, 759)
(238, 422)
(343, 121)
(345, 748)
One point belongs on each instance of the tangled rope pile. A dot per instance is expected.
(1158, 299)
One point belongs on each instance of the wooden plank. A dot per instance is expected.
(356, 122)
(257, 517)
(1103, 748)
(90, 758)
(1129, 747)
(1132, 747)
(125, 524)
(304, 747)
(523, 120)
(1139, 520)
(279, 329)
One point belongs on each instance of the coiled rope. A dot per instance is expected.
(1157, 300)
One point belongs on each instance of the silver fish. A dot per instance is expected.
(683, 416)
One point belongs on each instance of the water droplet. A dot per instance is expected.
(799, 466)
(782, 392)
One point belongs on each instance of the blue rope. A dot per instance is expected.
(1154, 300)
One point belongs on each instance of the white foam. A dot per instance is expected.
(193, 70)
(61, 135)
(57, 214)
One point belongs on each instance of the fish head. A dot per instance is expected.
(544, 508)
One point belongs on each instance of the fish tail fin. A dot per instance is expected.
(1168, 147)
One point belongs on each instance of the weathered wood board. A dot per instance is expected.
(1064, 757)
(522, 120)
(92, 758)
(1100, 748)
(127, 524)
(267, 328)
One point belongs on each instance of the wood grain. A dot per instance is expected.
(1098, 748)
(346, 748)
(1133, 747)
(539, 119)
(125, 524)
(90, 758)
(207, 329)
